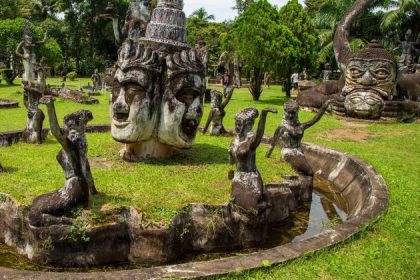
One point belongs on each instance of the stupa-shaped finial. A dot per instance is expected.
(167, 26)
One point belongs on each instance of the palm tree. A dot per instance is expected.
(202, 15)
(400, 14)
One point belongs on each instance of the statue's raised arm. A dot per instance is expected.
(261, 126)
(318, 116)
(54, 126)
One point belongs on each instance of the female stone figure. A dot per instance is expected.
(217, 112)
(33, 130)
(291, 133)
(247, 184)
(49, 208)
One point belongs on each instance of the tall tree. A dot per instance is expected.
(242, 5)
(261, 43)
(202, 15)
(296, 19)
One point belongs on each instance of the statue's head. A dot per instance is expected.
(75, 124)
(370, 79)
(244, 121)
(200, 41)
(135, 95)
(291, 111)
(182, 104)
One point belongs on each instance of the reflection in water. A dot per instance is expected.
(325, 211)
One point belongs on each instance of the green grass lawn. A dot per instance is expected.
(385, 250)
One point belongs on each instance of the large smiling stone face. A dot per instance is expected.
(370, 80)
(135, 97)
(182, 104)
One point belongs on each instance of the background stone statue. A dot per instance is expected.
(247, 184)
(33, 130)
(42, 75)
(408, 52)
(291, 133)
(96, 80)
(50, 208)
(217, 112)
(326, 73)
(137, 18)
(35, 117)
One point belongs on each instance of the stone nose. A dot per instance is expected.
(120, 105)
(367, 79)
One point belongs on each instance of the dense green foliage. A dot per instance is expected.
(293, 16)
(279, 42)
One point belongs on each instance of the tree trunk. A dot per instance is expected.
(288, 84)
(255, 86)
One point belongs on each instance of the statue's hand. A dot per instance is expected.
(47, 100)
(269, 110)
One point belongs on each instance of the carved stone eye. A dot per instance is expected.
(187, 96)
(381, 73)
(133, 90)
(372, 101)
(356, 100)
(355, 72)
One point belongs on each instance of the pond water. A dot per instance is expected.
(326, 210)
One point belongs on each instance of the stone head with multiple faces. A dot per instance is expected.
(157, 96)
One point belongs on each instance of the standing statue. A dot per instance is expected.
(247, 184)
(203, 52)
(137, 18)
(42, 75)
(406, 63)
(327, 72)
(291, 133)
(33, 130)
(217, 112)
(96, 80)
(157, 96)
(32, 133)
(50, 208)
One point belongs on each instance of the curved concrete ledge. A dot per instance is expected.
(358, 182)
(11, 137)
(7, 104)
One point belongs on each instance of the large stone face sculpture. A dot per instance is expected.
(247, 184)
(370, 80)
(373, 87)
(51, 208)
(291, 133)
(159, 83)
(33, 130)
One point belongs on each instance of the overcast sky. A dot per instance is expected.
(221, 9)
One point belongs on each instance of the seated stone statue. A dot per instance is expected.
(247, 184)
(50, 208)
(217, 112)
(291, 133)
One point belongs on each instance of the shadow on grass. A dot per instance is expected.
(8, 170)
(200, 154)
(278, 101)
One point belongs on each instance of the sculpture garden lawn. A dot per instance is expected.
(161, 189)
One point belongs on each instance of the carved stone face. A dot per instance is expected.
(369, 82)
(244, 121)
(182, 110)
(75, 124)
(133, 117)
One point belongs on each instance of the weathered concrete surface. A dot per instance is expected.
(359, 183)
(7, 103)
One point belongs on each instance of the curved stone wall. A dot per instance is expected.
(363, 188)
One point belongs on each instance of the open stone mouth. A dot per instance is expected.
(121, 117)
(189, 127)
